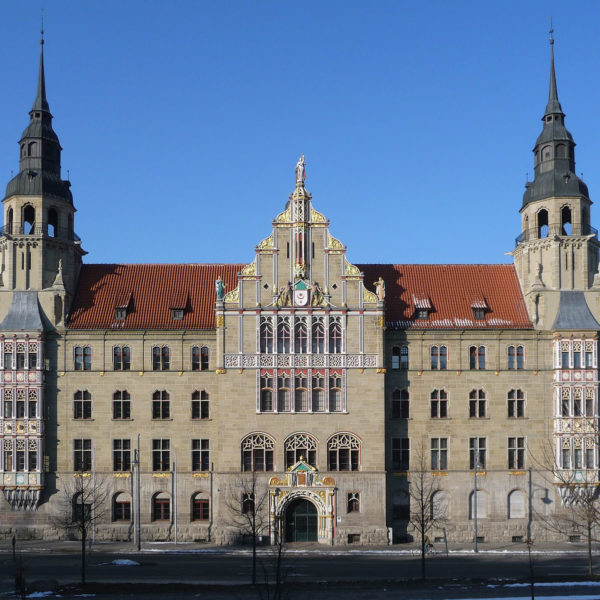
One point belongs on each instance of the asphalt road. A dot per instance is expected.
(310, 575)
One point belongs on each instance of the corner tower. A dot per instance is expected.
(557, 249)
(40, 250)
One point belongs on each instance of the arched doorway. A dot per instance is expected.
(301, 522)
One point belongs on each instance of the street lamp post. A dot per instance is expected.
(137, 512)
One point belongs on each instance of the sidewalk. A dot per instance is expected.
(74, 547)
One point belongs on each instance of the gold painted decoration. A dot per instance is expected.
(161, 475)
(200, 475)
(249, 270)
(121, 475)
(334, 243)
(220, 371)
(317, 217)
(285, 216)
(369, 297)
(352, 270)
(220, 321)
(232, 296)
(267, 242)
(381, 371)
(328, 481)
(275, 481)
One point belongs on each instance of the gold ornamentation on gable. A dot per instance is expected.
(220, 321)
(249, 270)
(352, 270)
(334, 243)
(285, 216)
(369, 296)
(267, 242)
(232, 296)
(317, 217)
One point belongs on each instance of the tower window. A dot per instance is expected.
(542, 223)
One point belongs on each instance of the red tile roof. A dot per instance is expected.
(154, 290)
(452, 291)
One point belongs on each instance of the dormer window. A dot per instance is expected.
(122, 303)
(423, 313)
(177, 314)
(120, 314)
(178, 304)
(423, 306)
(479, 308)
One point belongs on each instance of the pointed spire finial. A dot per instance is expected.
(40, 102)
(551, 33)
(553, 106)
(42, 29)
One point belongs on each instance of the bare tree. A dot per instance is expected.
(580, 498)
(249, 512)
(84, 503)
(427, 502)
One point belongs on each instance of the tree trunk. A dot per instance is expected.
(422, 534)
(83, 556)
(589, 545)
(254, 546)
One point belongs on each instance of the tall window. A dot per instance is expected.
(439, 454)
(335, 337)
(439, 357)
(121, 405)
(161, 405)
(195, 358)
(516, 404)
(477, 404)
(121, 455)
(161, 507)
(83, 358)
(204, 356)
(400, 404)
(396, 357)
(343, 452)
(283, 393)
(516, 357)
(121, 358)
(476, 357)
(439, 404)
(82, 405)
(318, 392)
(161, 455)
(300, 336)
(200, 508)
(200, 405)
(301, 393)
(516, 453)
(82, 455)
(318, 336)
(257, 452)
(400, 454)
(335, 392)
(477, 452)
(161, 358)
(404, 357)
(200, 455)
(300, 446)
(121, 507)
(283, 337)
(266, 337)
(266, 393)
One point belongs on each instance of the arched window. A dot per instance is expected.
(343, 452)
(566, 221)
(335, 337)
(121, 507)
(318, 336)
(200, 509)
(283, 337)
(439, 357)
(439, 404)
(336, 403)
(546, 152)
(266, 392)
(477, 404)
(516, 505)
(31, 148)
(476, 357)
(161, 405)
(400, 404)
(28, 219)
(481, 505)
(82, 405)
(9, 221)
(516, 404)
(561, 151)
(301, 336)
(300, 446)
(542, 223)
(121, 358)
(161, 507)
(257, 452)
(200, 405)
(161, 358)
(318, 391)
(301, 393)
(283, 392)
(266, 337)
(439, 505)
(52, 222)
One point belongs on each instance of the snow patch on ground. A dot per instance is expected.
(125, 562)
(40, 594)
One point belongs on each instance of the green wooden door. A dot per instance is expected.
(301, 523)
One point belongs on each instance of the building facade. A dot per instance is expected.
(313, 384)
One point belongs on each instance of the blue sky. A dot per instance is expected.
(182, 121)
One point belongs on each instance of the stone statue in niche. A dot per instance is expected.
(285, 295)
(317, 294)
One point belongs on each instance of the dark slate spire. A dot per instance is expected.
(554, 152)
(39, 156)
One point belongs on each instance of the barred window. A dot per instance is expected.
(82, 405)
(300, 446)
(257, 452)
(343, 451)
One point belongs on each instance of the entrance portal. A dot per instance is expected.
(301, 522)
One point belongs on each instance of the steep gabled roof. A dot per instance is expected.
(152, 290)
(452, 291)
